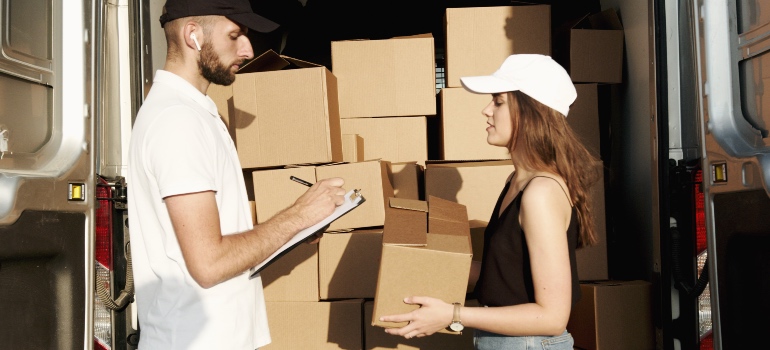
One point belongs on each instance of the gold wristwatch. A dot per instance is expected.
(456, 324)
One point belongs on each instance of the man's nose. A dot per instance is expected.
(244, 49)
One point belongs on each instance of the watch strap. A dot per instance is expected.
(456, 315)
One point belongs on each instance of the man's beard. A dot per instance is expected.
(211, 67)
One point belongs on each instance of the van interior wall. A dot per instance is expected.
(309, 29)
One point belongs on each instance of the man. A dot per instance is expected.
(192, 238)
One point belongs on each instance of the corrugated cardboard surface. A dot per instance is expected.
(400, 139)
(408, 180)
(448, 218)
(272, 129)
(439, 269)
(385, 78)
(315, 325)
(377, 339)
(596, 49)
(596, 55)
(223, 98)
(294, 276)
(373, 179)
(274, 191)
(406, 223)
(464, 134)
(476, 185)
(583, 117)
(592, 261)
(597, 322)
(352, 148)
(478, 39)
(253, 209)
(348, 264)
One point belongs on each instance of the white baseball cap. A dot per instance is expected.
(538, 76)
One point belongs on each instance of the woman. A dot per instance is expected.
(527, 281)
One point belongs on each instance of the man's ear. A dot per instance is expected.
(190, 37)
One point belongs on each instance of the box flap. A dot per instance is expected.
(272, 61)
(409, 204)
(447, 217)
(407, 226)
(465, 163)
(607, 19)
(267, 61)
(425, 35)
(451, 244)
(300, 63)
(580, 22)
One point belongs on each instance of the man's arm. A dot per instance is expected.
(212, 258)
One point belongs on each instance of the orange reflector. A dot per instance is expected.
(77, 192)
(719, 172)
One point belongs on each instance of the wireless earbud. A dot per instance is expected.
(195, 39)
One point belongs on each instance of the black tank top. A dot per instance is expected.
(506, 275)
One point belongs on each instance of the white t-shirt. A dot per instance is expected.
(179, 144)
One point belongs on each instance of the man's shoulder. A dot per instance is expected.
(161, 99)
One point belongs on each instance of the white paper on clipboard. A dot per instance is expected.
(352, 200)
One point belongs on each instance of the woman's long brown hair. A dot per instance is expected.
(545, 142)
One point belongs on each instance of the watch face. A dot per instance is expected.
(456, 326)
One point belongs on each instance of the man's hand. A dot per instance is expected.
(320, 201)
(316, 238)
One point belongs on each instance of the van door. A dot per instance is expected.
(732, 56)
(46, 174)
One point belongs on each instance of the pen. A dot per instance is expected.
(296, 179)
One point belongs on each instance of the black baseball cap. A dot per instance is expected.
(236, 10)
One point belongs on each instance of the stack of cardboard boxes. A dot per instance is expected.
(367, 122)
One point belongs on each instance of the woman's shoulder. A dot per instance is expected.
(544, 178)
(546, 186)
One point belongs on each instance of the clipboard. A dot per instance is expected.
(352, 200)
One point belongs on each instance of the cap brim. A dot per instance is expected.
(254, 22)
(487, 84)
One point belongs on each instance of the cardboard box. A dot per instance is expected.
(376, 339)
(253, 209)
(385, 78)
(475, 184)
(590, 118)
(464, 134)
(426, 250)
(348, 263)
(408, 180)
(352, 148)
(592, 261)
(271, 128)
(293, 277)
(583, 117)
(399, 139)
(591, 48)
(479, 39)
(373, 179)
(315, 325)
(223, 98)
(613, 315)
(274, 191)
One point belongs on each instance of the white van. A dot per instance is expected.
(690, 172)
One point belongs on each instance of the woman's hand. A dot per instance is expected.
(432, 316)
